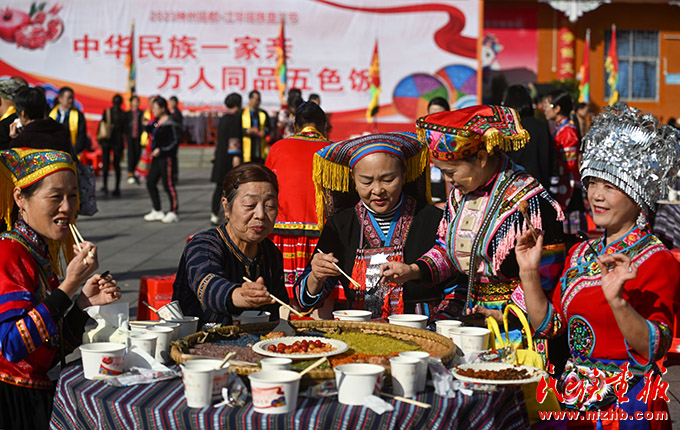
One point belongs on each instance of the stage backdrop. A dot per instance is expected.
(201, 51)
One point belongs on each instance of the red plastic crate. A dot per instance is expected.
(156, 291)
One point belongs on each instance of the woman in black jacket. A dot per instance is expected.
(114, 118)
(164, 143)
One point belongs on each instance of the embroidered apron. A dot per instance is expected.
(375, 295)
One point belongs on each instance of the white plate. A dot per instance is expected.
(534, 374)
(261, 347)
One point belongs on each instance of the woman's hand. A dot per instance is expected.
(98, 291)
(495, 313)
(399, 272)
(156, 152)
(323, 266)
(80, 268)
(616, 270)
(528, 251)
(251, 295)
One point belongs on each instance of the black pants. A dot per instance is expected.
(216, 200)
(163, 168)
(106, 161)
(134, 149)
(24, 408)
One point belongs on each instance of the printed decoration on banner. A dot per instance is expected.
(31, 30)
(413, 93)
(461, 82)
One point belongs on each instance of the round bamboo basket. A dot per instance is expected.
(436, 344)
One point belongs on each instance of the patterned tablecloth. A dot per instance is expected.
(83, 404)
(667, 224)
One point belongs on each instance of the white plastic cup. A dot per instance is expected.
(355, 381)
(170, 311)
(409, 320)
(145, 341)
(251, 317)
(274, 391)
(173, 326)
(352, 315)
(276, 363)
(470, 339)
(187, 325)
(404, 371)
(423, 361)
(163, 340)
(198, 384)
(220, 376)
(443, 326)
(102, 359)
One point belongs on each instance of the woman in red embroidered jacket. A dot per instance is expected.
(618, 293)
(39, 198)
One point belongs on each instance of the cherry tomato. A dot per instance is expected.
(318, 343)
(271, 348)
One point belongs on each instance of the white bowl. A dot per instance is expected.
(102, 359)
(355, 381)
(274, 391)
(409, 320)
(470, 339)
(352, 315)
(220, 376)
(187, 325)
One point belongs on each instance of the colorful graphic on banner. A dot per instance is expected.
(202, 51)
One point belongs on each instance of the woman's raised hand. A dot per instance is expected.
(98, 291)
(323, 266)
(616, 270)
(251, 295)
(528, 251)
(399, 272)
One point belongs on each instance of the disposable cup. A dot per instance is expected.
(409, 320)
(251, 317)
(355, 381)
(187, 325)
(173, 326)
(470, 339)
(274, 391)
(164, 338)
(103, 358)
(276, 363)
(198, 384)
(443, 326)
(220, 376)
(423, 360)
(170, 311)
(142, 325)
(145, 341)
(352, 315)
(404, 371)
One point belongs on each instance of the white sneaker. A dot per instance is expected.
(170, 217)
(154, 215)
(131, 180)
(214, 219)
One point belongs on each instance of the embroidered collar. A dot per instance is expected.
(32, 237)
(310, 132)
(626, 241)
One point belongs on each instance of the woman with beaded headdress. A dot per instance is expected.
(618, 293)
(482, 218)
(38, 200)
(373, 193)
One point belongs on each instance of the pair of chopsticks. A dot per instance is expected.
(355, 283)
(405, 400)
(78, 238)
(281, 302)
(313, 366)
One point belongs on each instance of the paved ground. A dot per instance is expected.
(130, 247)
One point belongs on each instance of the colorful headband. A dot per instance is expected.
(459, 134)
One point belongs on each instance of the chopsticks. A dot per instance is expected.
(355, 283)
(150, 307)
(226, 358)
(279, 301)
(313, 366)
(78, 238)
(405, 400)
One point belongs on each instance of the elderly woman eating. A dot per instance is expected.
(374, 190)
(618, 293)
(39, 201)
(210, 278)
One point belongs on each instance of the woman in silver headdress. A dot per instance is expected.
(619, 292)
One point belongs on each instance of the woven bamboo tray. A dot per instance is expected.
(436, 344)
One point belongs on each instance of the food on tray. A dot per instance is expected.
(243, 353)
(301, 347)
(381, 360)
(274, 335)
(513, 373)
(373, 344)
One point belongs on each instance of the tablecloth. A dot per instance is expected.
(84, 404)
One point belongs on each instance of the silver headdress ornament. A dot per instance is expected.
(634, 152)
